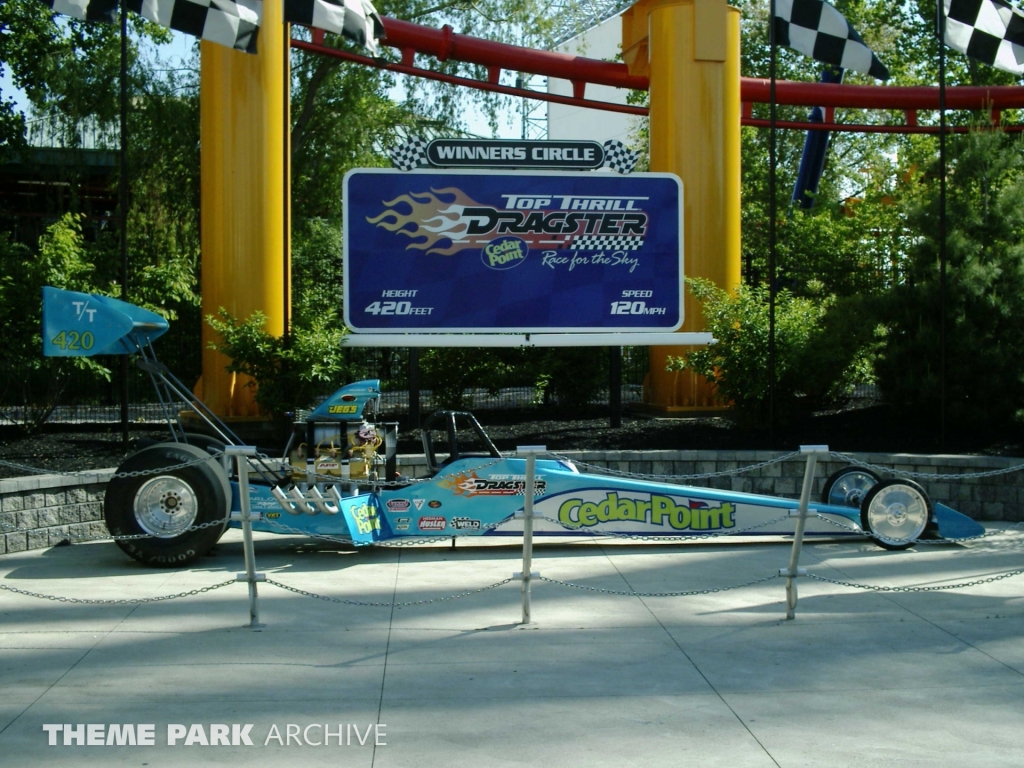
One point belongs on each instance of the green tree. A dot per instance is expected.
(985, 290)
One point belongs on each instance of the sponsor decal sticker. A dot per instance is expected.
(434, 504)
(398, 505)
(418, 503)
(366, 519)
(465, 524)
(432, 523)
(470, 484)
(587, 509)
(273, 515)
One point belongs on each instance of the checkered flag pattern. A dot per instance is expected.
(234, 23)
(97, 10)
(607, 243)
(816, 29)
(991, 31)
(619, 157)
(412, 154)
(357, 20)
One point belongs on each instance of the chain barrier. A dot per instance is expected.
(926, 475)
(942, 588)
(944, 540)
(631, 593)
(38, 471)
(698, 476)
(124, 601)
(345, 601)
(117, 475)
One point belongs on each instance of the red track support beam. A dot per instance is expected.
(446, 44)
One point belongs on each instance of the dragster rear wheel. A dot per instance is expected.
(848, 486)
(895, 512)
(165, 502)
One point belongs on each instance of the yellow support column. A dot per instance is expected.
(245, 198)
(690, 50)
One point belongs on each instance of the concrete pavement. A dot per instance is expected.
(858, 679)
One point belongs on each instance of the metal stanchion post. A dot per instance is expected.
(529, 483)
(242, 454)
(794, 570)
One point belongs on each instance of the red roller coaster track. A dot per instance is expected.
(445, 44)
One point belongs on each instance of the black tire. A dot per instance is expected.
(149, 503)
(896, 513)
(848, 486)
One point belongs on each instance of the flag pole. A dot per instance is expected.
(942, 222)
(771, 219)
(122, 194)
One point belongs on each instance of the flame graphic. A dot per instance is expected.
(461, 485)
(430, 219)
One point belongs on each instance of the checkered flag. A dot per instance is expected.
(619, 157)
(357, 20)
(410, 155)
(991, 31)
(816, 29)
(234, 23)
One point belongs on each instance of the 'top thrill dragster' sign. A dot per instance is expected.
(486, 251)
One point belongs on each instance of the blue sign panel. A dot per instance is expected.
(492, 251)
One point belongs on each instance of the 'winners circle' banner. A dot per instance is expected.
(487, 251)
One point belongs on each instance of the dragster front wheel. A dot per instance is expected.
(176, 496)
(848, 486)
(895, 512)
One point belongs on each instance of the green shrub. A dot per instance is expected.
(287, 372)
(573, 377)
(451, 372)
(35, 383)
(822, 348)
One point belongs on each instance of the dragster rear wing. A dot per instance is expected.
(85, 324)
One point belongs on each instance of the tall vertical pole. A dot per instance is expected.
(772, 63)
(794, 569)
(690, 50)
(615, 387)
(942, 222)
(122, 194)
(241, 454)
(245, 237)
(528, 494)
(414, 388)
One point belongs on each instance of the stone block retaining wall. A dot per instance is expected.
(50, 509)
(55, 508)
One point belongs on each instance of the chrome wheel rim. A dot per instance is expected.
(898, 514)
(850, 489)
(166, 506)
